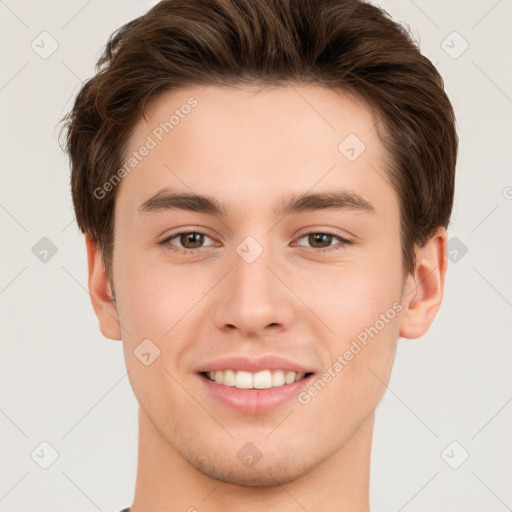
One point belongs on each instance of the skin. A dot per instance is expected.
(248, 148)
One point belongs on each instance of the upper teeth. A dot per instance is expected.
(259, 380)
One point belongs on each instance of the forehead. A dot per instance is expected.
(250, 143)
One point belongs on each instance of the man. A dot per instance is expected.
(265, 188)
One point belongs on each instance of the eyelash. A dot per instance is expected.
(166, 242)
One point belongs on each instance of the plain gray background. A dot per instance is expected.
(62, 383)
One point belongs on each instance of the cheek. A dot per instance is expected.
(155, 296)
(159, 392)
(361, 304)
(369, 338)
(361, 358)
(351, 297)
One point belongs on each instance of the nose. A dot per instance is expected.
(253, 298)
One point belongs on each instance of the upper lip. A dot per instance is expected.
(253, 364)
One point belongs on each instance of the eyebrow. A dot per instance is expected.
(341, 199)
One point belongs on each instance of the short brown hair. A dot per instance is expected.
(346, 45)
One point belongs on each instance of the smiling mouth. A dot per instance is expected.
(263, 379)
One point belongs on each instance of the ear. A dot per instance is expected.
(101, 293)
(424, 289)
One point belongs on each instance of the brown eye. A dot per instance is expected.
(191, 240)
(321, 240)
(186, 242)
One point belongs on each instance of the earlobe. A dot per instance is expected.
(101, 293)
(424, 289)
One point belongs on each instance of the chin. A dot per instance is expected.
(261, 475)
(227, 462)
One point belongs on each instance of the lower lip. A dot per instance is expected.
(255, 401)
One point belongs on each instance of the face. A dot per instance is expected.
(290, 303)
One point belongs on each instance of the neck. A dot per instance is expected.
(166, 482)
